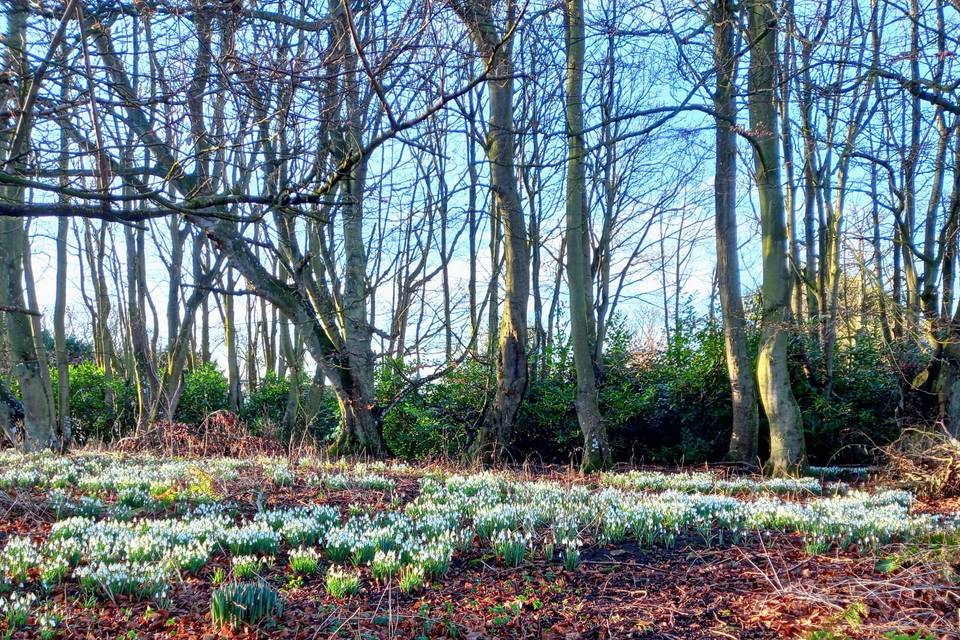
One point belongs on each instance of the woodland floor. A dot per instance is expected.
(769, 588)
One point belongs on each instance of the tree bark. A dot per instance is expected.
(230, 338)
(596, 445)
(38, 419)
(745, 423)
(493, 437)
(787, 450)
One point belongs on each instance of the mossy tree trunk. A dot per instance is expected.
(495, 432)
(787, 450)
(29, 364)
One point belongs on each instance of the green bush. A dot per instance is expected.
(327, 419)
(547, 428)
(860, 413)
(266, 404)
(93, 416)
(263, 410)
(205, 390)
(672, 405)
(432, 421)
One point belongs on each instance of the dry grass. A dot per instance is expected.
(925, 461)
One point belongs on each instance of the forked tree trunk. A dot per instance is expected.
(360, 430)
(145, 374)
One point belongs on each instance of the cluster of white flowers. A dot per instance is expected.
(704, 482)
(501, 511)
(111, 547)
(245, 567)
(341, 583)
(102, 472)
(47, 621)
(139, 579)
(141, 540)
(53, 570)
(189, 557)
(433, 555)
(304, 560)
(301, 525)
(19, 556)
(62, 504)
(512, 546)
(394, 543)
(257, 537)
(69, 549)
(346, 467)
(412, 577)
(386, 564)
(38, 469)
(16, 608)
(142, 555)
(279, 474)
(134, 497)
(339, 481)
(833, 472)
(155, 475)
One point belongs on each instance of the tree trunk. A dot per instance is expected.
(145, 374)
(787, 451)
(38, 418)
(496, 430)
(230, 338)
(290, 355)
(64, 423)
(473, 223)
(361, 430)
(36, 325)
(596, 446)
(745, 427)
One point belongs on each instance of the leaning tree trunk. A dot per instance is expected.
(743, 437)
(596, 446)
(787, 450)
